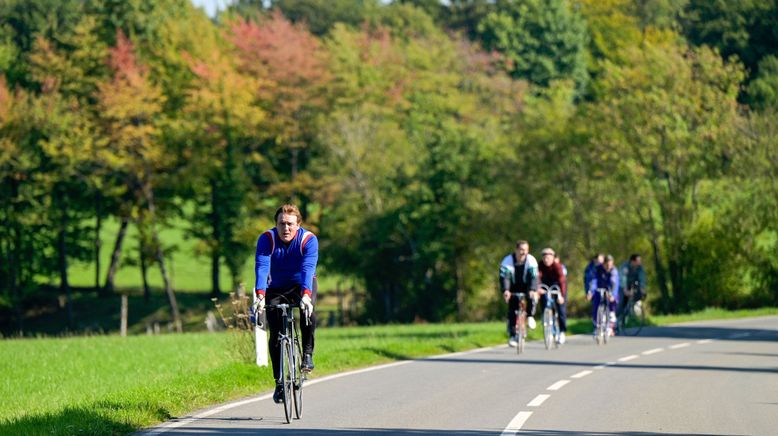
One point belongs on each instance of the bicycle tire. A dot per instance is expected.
(522, 332)
(287, 367)
(557, 329)
(602, 319)
(297, 385)
(548, 327)
(632, 320)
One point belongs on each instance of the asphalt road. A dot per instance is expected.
(700, 378)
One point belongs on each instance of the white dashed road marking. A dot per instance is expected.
(558, 385)
(705, 341)
(581, 374)
(515, 425)
(628, 358)
(538, 400)
(652, 351)
(677, 346)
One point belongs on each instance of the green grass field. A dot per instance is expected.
(113, 385)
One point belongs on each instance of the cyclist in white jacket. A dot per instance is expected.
(519, 274)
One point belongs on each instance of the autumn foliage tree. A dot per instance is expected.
(131, 115)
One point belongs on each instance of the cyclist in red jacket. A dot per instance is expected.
(551, 272)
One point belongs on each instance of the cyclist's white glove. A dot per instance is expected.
(260, 304)
(307, 305)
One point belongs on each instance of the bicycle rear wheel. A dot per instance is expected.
(287, 369)
(548, 327)
(297, 386)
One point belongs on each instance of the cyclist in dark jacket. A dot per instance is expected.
(597, 260)
(606, 276)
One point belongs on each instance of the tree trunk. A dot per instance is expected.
(98, 242)
(62, 258)
(144, 271)
(661, 275)
(460, 278)
(149, 193)
(168, 288)
(117, 251)
(216, 226)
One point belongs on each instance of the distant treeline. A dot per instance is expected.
(421, 139)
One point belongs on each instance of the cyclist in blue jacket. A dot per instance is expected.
(596, 261)
(285, 267)
(606, 276)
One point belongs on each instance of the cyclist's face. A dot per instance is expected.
(608, 265)
(287, 226)
(522, 251)
(548, 259)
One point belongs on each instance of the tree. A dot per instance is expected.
(745, 28)
(293, 67)
(668, 124)
(763, 90)
(131, 112)
(223, 118)
(541, 40)
(321, 15)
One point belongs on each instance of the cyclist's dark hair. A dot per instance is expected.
(597, 255)
(633, 257)
(609, 257)
(521, 242)
(289, 209)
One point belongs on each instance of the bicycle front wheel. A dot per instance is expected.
(601, 331)
(522, 332)
(297, 386)
(633, 319)
(287, 367)
(548, 327)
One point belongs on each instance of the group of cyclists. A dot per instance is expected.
(521, 273)
(287, 255)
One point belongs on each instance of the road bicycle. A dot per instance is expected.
(290, 369)
(632, 315)
(602, 322)
(551, 315)
(521, 321)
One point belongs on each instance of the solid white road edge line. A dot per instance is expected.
(515, 425)
(558, 385)
(167, 426)
(538, 400)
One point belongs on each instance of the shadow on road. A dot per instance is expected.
(290, 430)
(704, 332)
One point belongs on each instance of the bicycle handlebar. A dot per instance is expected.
(285, 306)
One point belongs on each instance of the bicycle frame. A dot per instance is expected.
(601, 328)
(290, 360)
(550, 314)
(521, 320)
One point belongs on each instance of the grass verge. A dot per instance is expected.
(113, 385)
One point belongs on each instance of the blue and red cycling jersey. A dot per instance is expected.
(279, 265)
